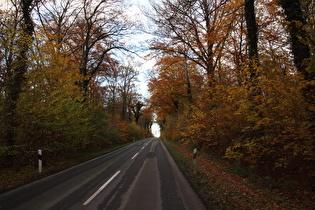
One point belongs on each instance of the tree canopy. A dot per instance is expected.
(57, 63)
(251, 79)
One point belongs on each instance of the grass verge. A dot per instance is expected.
(222, 186)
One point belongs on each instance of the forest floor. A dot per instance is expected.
(222, 185)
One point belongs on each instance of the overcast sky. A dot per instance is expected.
(3, 3)
(145, 65)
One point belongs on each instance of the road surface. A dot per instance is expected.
(140, 176)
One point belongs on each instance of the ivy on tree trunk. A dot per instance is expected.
(16, 73)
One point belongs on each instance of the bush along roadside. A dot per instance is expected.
(222, 185)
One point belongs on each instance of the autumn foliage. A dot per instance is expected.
(265, 121)
(62, 102)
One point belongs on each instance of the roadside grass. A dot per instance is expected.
(11, 178)
(222, 185)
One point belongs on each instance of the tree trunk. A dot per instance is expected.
(300, 49)
(84, 86)
(16, 76)
(252, 36)
(189, 93)
(296, 29)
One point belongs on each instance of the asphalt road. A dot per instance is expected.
(140, 176)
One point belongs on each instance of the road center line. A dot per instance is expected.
(100, 189)
(134, 155)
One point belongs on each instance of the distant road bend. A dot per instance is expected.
(142, 175)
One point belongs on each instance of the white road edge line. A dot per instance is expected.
(134, 155)
(100, 189)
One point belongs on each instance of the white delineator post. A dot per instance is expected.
(195, 153)
(194, 161)
(40, 161)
